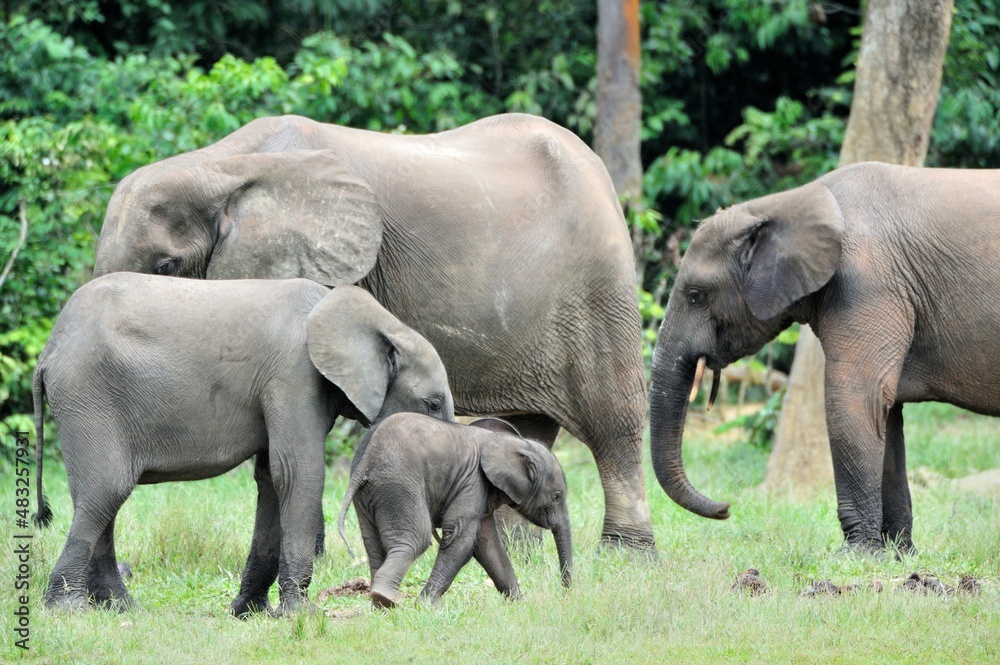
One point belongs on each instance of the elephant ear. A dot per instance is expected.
(495, 425)
(350, 340)
(793, 250)
(290, 214)
(509, 465)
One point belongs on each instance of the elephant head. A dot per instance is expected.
(530, 475)
(381, 365)
(302, 213)
(747, 274)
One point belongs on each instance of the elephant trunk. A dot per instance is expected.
(564, 548)
(669, 394)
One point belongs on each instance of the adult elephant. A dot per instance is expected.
(502, 242)
(896, 270)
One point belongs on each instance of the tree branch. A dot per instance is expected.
(20, 241)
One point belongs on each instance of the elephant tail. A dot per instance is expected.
(352, 488)
(44, 515)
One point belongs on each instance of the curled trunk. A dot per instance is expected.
(669, 393)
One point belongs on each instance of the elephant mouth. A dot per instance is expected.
(716, 366)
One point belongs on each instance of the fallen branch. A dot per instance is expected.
(20, 241)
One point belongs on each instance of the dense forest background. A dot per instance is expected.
(740, 98)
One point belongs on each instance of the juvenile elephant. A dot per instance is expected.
(502, 242)
(413, 474)
(155, 379)
(896, 270)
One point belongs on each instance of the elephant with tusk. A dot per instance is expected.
(895, 268)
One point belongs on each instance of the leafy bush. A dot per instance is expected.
(19, 349)
(739, 99)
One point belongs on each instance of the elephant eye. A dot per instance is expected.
(696, 297)
(557, 496)
(165, 266)
(434, 404)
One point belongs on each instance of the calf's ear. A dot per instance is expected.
(509, 466)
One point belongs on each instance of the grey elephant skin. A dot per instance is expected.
(502, 242)
(154, 379)
(895, 268)
(413, 474)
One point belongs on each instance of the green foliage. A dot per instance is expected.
(966, 129)
(739, 99)
(19, 349)
(759, 425)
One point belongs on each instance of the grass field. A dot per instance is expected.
(187, 542)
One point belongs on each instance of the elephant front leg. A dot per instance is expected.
(857, 405)
(261, 569)
(897, 512)
(491, 554)
(300, 509)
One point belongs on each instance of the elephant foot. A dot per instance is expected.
(243, 607)
(295, 603)
(384, 598)
(67, 602)
(901, 543)
(640, 548)
(870, 547)
(113, 601)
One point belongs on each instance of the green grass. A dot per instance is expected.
(187, 541)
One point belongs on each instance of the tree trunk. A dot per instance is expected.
(895, 95)
(619, 105)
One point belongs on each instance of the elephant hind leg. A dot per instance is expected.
(94, 511)
(261, 569)
(399, 555)
(104, 583)
(613, 432)
(373, 544)
(897, 512)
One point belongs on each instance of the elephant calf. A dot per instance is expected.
(413, 474)
(154, 379)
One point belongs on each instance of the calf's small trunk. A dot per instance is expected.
(564, 548)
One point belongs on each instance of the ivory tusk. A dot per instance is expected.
(715, 388)
(699, 372)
